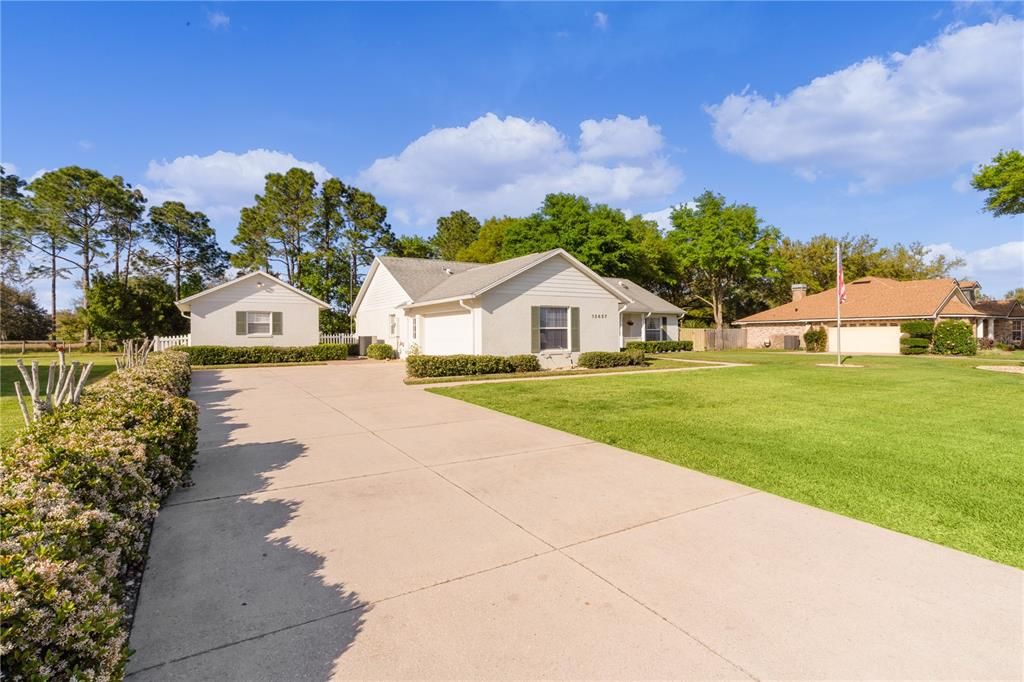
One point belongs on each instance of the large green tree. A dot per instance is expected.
(813, 262)
(488, 246)
(22, 319)
(275, 231)
(13, 244)
(73, 208)
(142, 306)
(455, 232)
(412, 246)
(722, 249)
(1017, 294)
(1003, 179)
(125, 227)
(184, 244)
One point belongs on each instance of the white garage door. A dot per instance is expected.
(448, 334)
(866, 339)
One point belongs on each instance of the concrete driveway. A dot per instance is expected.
(346, 526)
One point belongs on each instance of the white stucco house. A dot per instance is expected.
(546, 303)
(256, 309)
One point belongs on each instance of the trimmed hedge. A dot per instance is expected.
(80, 489)
(259, 355)
(816, 340)
(914, 346)
(380, 351)
(953, 337)
(602, 359)
(918, 329)
(422, 366)
(660, 346)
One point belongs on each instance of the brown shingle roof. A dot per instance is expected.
(872, 298)
(1006, 308)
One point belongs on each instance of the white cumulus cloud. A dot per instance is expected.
(999, 267)
(219, 184)
(601, 20)
(9, 168)
(217, 20)
(619, 138)
(951, 102)
(495, 166)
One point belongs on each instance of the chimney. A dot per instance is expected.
(799, 291)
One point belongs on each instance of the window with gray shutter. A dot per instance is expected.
(278, 323)
(574, 329)
(535, 329)
(240, 323)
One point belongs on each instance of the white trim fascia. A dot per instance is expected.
(185, 304)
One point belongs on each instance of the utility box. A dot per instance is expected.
(364, 343)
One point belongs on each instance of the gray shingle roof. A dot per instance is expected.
(419, 275)
(643, 301)
(428, 280)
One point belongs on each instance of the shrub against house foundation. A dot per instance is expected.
(380, 351)
(916, 337)
(423, 366)
(816, 340)
(912, 346)
(661, 346)
(260, 355)
(602, 359)
(80, 488)
(953, 337)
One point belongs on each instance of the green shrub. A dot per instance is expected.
(353, 350)
(602, 359)
(816, 340)
(420, 366)
(914, 346)
(79, 491)
(380, 351)
(524, 363)
(661, 346)
(918, 329)
(259, 355)
(953, 337)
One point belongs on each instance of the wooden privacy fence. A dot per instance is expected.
(708, 339)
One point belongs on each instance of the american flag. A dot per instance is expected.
(840, 282)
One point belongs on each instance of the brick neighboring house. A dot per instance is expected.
(874, 309)
(1003, 321)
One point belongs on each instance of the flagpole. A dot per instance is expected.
(839, 318)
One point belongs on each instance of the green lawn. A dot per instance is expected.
(10, 416)
(927, 446)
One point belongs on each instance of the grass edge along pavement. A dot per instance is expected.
(930, 447)
(11, 422)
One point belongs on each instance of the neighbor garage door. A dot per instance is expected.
(866, 339)
(448, 334)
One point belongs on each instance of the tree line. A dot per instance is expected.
(718, 259)
(130, 263)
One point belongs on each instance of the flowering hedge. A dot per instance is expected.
(80, 488)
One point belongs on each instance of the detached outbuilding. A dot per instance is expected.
(256, 309)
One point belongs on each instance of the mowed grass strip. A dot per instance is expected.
(11, 420)
(926, 446)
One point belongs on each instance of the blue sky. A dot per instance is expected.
(830, 118)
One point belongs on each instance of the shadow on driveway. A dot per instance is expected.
(223, 570)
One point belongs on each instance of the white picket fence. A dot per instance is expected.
(339, 338)
(165, 342)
